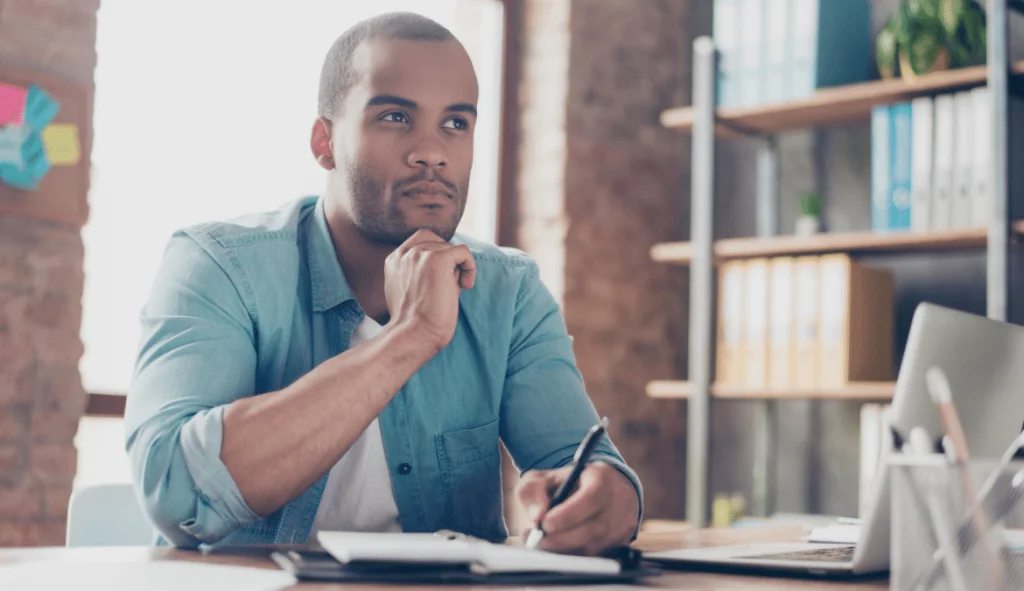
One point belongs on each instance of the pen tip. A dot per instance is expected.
(536, 534)
(604, 422)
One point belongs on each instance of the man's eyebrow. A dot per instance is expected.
(389, 99)
(462, 108)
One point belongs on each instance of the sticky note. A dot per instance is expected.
(61, 143)
(40, 108)
(11, 138)
(20, 179)
(34, 155)
(33, 166)
(12, 104)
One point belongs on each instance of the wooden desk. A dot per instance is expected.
(688, 581)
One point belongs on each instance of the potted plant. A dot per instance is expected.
(925, 36)
(809, 221)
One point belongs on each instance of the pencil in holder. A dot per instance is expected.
(956, 527)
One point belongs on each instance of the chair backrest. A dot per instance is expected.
(107, 515)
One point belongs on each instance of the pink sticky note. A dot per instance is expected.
(12, 104)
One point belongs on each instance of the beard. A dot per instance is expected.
(377, 212)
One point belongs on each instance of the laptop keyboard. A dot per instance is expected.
(844, 554)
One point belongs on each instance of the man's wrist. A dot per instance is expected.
(413, 336)
(624, 478)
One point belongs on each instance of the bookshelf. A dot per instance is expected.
(832, 106)
(707, 124)
(852, 391)
(681, 253)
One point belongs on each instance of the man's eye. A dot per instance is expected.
(456, 123)
(395, 117)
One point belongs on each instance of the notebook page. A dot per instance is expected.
(425, 548)
(396, 547)
(500, 558)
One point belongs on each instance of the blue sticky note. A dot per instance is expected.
(32, 146)
(33, 166)
(11, 139)
(38, 167)
(40, 108)
(18, 178)
(33, 154)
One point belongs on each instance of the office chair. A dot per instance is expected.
(107, 515)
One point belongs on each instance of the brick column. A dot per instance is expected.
(41, 280)
(600, 182)
(543, 137)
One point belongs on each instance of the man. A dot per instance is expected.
(348, 363)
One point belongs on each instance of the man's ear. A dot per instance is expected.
(320, 143)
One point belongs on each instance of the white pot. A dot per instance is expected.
(807, 225)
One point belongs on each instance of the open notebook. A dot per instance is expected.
(479, 556)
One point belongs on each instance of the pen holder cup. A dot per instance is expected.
(956, 527)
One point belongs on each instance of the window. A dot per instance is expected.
(202, 112)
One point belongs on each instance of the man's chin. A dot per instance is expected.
(446, 233)
(397, 238)
(442, 227)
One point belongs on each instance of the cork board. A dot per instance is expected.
(62, 195)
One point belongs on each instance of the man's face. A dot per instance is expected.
(403, 143)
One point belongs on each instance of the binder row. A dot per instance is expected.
(929, 163)
(772, 51)
(803, 323)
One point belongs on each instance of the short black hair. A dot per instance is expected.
(337, 76)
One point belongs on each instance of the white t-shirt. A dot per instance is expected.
(358, 496)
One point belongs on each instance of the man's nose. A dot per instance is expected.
(428, 152)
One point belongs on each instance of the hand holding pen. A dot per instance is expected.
(583, 508)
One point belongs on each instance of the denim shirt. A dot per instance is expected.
(247, 307)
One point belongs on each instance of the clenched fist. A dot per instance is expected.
(422, 281)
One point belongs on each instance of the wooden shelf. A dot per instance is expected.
(852, 391)
(831, 106)
(681, 253)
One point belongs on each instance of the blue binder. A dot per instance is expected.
(901, 140)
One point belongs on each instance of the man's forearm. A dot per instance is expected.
(278, 444)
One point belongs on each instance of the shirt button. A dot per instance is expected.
(404, 469)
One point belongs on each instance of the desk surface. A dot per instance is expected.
(664, 540)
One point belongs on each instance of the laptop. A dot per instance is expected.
(984, 362)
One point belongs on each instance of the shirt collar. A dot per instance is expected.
(329, 285)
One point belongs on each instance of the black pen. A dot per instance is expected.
(579, 462)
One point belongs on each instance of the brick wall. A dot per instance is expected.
(41, 278)
(600, 182)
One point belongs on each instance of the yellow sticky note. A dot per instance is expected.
(61, 141)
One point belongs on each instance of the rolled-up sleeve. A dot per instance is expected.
(196, 355)
(545, 409)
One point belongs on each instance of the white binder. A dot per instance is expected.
(922, 155)
(751, 52)
(777, 41)
(982, 167)
(942, 178)
(963, 161)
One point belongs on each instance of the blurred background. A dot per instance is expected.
(193, 111)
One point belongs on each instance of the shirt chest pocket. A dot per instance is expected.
(471, 477)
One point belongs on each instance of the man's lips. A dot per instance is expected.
(428, 193)
(427, 188)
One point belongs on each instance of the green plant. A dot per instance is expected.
(926, 32)
(810, 204)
